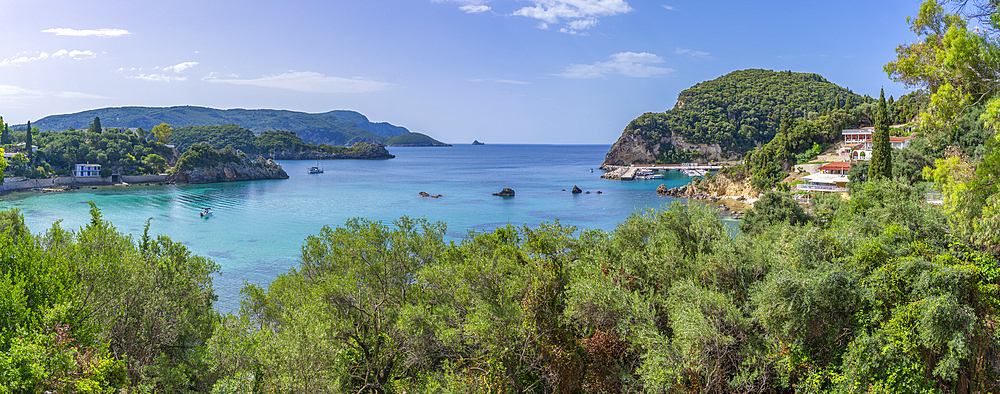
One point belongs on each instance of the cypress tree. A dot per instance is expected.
(881, 163)
(96, 126)
(3, 132)
(27, 142)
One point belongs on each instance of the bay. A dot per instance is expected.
(258, 227)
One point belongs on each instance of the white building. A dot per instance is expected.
(824, 183)
(87, 170)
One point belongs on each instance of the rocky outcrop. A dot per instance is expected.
(630, 148)
(576, 190)
(360, 151)
(506, 192)
(243, 170)
(633, 148)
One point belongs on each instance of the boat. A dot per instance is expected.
(316, 170)
(695, 172)
(206, 213)
(647, 174)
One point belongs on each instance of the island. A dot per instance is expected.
(476, 142)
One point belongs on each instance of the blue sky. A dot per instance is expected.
(500, 71)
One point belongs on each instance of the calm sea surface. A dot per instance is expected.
(259, 226)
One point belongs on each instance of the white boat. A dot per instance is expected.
(206, 213)
(647, 174)
(315, 170)
(694, 172)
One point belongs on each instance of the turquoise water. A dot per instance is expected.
(258, 227)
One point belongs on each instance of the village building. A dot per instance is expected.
(836, 168)
(87, 170)
(823, 183)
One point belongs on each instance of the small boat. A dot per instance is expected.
(315, 170)
(695, 172)
(206, 213)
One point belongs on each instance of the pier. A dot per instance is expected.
(629, 172)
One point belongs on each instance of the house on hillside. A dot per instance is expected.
(836, 168)
(87, 170)
(854, 136)
(900, 142)
(824, 183)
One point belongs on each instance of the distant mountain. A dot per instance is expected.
(338, 127)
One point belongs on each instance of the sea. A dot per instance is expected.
(258, 227)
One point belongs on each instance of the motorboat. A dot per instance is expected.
(206, 213)
(315, 170)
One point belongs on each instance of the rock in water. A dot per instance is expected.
(576, 190)
(506, 192)
(662, 189)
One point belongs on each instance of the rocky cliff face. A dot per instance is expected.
(633, 148)
(244, 170)
(630, 148)
(363, 151)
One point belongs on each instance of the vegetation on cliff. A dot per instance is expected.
(732, 115)
(274, 144)
(413, 139)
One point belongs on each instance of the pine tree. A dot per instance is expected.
(881, 163)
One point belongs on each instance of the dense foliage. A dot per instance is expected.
(743, 109)
(95, 310)
(877, 298)
(204, 156)
(111, 148)
(234, 137)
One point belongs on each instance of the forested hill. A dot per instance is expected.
(334, 127)
(726, 117)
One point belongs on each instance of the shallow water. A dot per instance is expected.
(258, 227)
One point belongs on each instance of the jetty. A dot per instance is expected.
(628, 173)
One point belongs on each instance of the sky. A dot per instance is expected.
(498, 71)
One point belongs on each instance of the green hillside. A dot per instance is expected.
(334, 127)
(737, 112)
(413, 139)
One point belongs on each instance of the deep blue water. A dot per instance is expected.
(258, 227)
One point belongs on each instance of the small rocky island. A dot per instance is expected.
(202, 164)
(476, 142)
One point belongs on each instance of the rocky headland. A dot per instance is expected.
(244, 169)
(360, 151)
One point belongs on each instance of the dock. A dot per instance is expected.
(629, 172)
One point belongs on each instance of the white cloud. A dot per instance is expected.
(159, 78)
(180, 67)
(22, 58)
(88, 33)
(670, 8)
(473, 8)
(691, 53)
(552, 11)
(15, 96)
(578, 15)
(630, 64)
(305, 81)
(495, 80)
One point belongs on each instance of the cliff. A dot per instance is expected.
(243, 169)
(724, 118)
